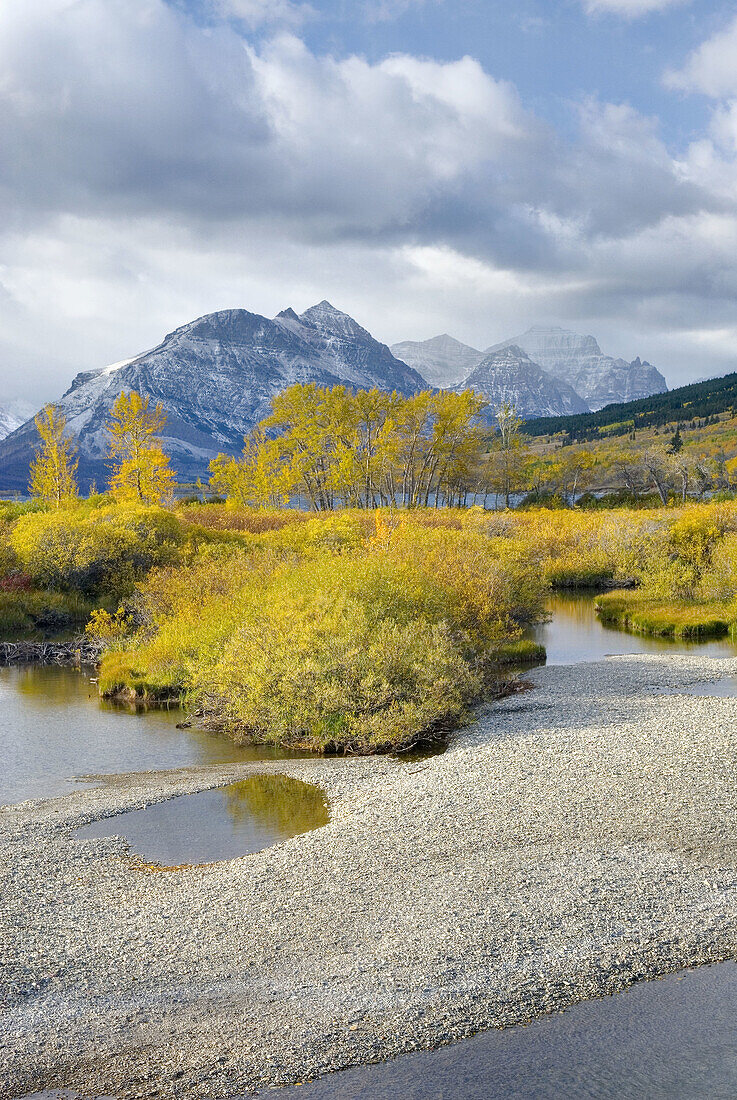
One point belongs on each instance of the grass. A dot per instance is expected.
(681, 619)
(520, 652)
(34, 613)
(120, 677)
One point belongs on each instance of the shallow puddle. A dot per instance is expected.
(220, 824)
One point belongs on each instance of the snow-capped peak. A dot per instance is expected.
(329, 319)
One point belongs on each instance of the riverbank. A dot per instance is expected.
(681, 619)
(72, 653)
(671, 1038)
(575, 839)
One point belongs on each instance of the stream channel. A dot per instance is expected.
(674, 1038)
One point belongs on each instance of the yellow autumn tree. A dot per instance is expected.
(506, 460)
(257, 478)
(54, 468)
(140, 469)
(335, 447)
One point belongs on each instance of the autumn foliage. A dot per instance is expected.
(54, 466)
(140, 471)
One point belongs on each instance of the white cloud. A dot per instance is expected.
(712, 67)
(372, 147)
(629, 9)
(154, 171)
(382, 11)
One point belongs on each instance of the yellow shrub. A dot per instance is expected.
(350, 642)
(95, 551)
(719, 580)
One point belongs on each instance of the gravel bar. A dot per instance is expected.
(574, 839)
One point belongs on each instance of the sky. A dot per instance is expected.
(463, 166)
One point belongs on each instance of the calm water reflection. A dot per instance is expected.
(221, 824)
(576, 634)
(53, 727)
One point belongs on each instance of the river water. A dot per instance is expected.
(575, 634)
(674, 1039)
(54, 729)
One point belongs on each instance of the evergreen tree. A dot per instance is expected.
(676, 442)
(54, 468)
(140, 469)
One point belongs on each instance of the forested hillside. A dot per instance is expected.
(700, 400)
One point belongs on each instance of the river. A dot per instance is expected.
(54, 729)
(673, 1039)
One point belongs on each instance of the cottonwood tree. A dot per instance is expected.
(630, 471)
(54, 468)
(140, 469)
(683, 469)
(578, 470)
(361, 449)
(656, 465)
(257, 478)
(506, 458)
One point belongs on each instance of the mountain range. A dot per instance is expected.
(564, 356)
(509, 374)
(215, 378)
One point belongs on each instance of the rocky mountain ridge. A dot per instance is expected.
(510, 375)
(569, 357)
(578, 360)
(215, 378)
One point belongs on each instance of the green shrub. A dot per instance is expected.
(339, 677)
(356, 635)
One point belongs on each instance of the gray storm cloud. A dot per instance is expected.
(154, 168)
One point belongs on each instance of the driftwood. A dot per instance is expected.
(77, 651)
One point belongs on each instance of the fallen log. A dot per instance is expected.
(75, 652)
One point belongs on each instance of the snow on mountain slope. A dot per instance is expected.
(12, 415)
(442, 360)
(215, 377)
(510, 375)
(578, 360)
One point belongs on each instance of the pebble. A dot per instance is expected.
(571, 841)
